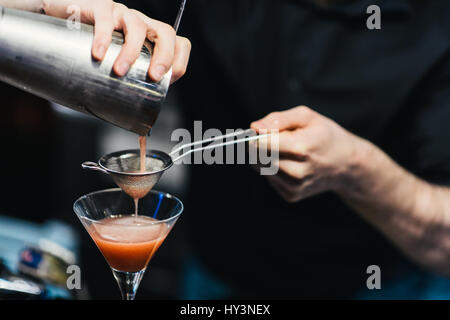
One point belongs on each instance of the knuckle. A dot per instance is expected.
(306, 111)
(274, 115)
(134, 11)
(171, 31)
(140, 25)
(106, 4)
(323, 132)
(120, 6)
(169, 28)
(186, 42)
(165, 28)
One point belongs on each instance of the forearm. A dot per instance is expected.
(414, 214)
(28, 5)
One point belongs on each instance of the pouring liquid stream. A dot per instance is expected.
(143, 152)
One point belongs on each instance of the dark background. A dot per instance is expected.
(390, 87)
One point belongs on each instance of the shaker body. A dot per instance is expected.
(51, 59)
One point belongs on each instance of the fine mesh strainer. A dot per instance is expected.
(124, 166)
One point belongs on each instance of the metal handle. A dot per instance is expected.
(168, 76)
(201, 142)
(92, 166)
(180, 14)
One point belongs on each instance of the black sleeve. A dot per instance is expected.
(163, 10)
(429, 126)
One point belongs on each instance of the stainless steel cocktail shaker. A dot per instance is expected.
(47, 57)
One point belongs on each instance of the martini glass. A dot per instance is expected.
(127, 241)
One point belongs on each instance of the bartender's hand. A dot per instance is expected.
(106, 16)
(316, 154)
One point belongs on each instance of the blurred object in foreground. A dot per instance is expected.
(41, 263)
(36, 256)
(16, 287)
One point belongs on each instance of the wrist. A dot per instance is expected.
(371, 175)
(362, 163)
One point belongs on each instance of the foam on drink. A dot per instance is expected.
(128, 243)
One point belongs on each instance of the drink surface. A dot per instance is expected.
(128, 242)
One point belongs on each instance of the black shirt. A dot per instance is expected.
(390, 86)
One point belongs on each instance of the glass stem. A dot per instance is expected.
(128, 282)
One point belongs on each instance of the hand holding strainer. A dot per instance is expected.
(124, 166)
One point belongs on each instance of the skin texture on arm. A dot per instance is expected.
(318, 155)
(411, 212)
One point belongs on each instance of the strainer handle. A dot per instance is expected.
(89, 165)
(219, 138)
(213, 146)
